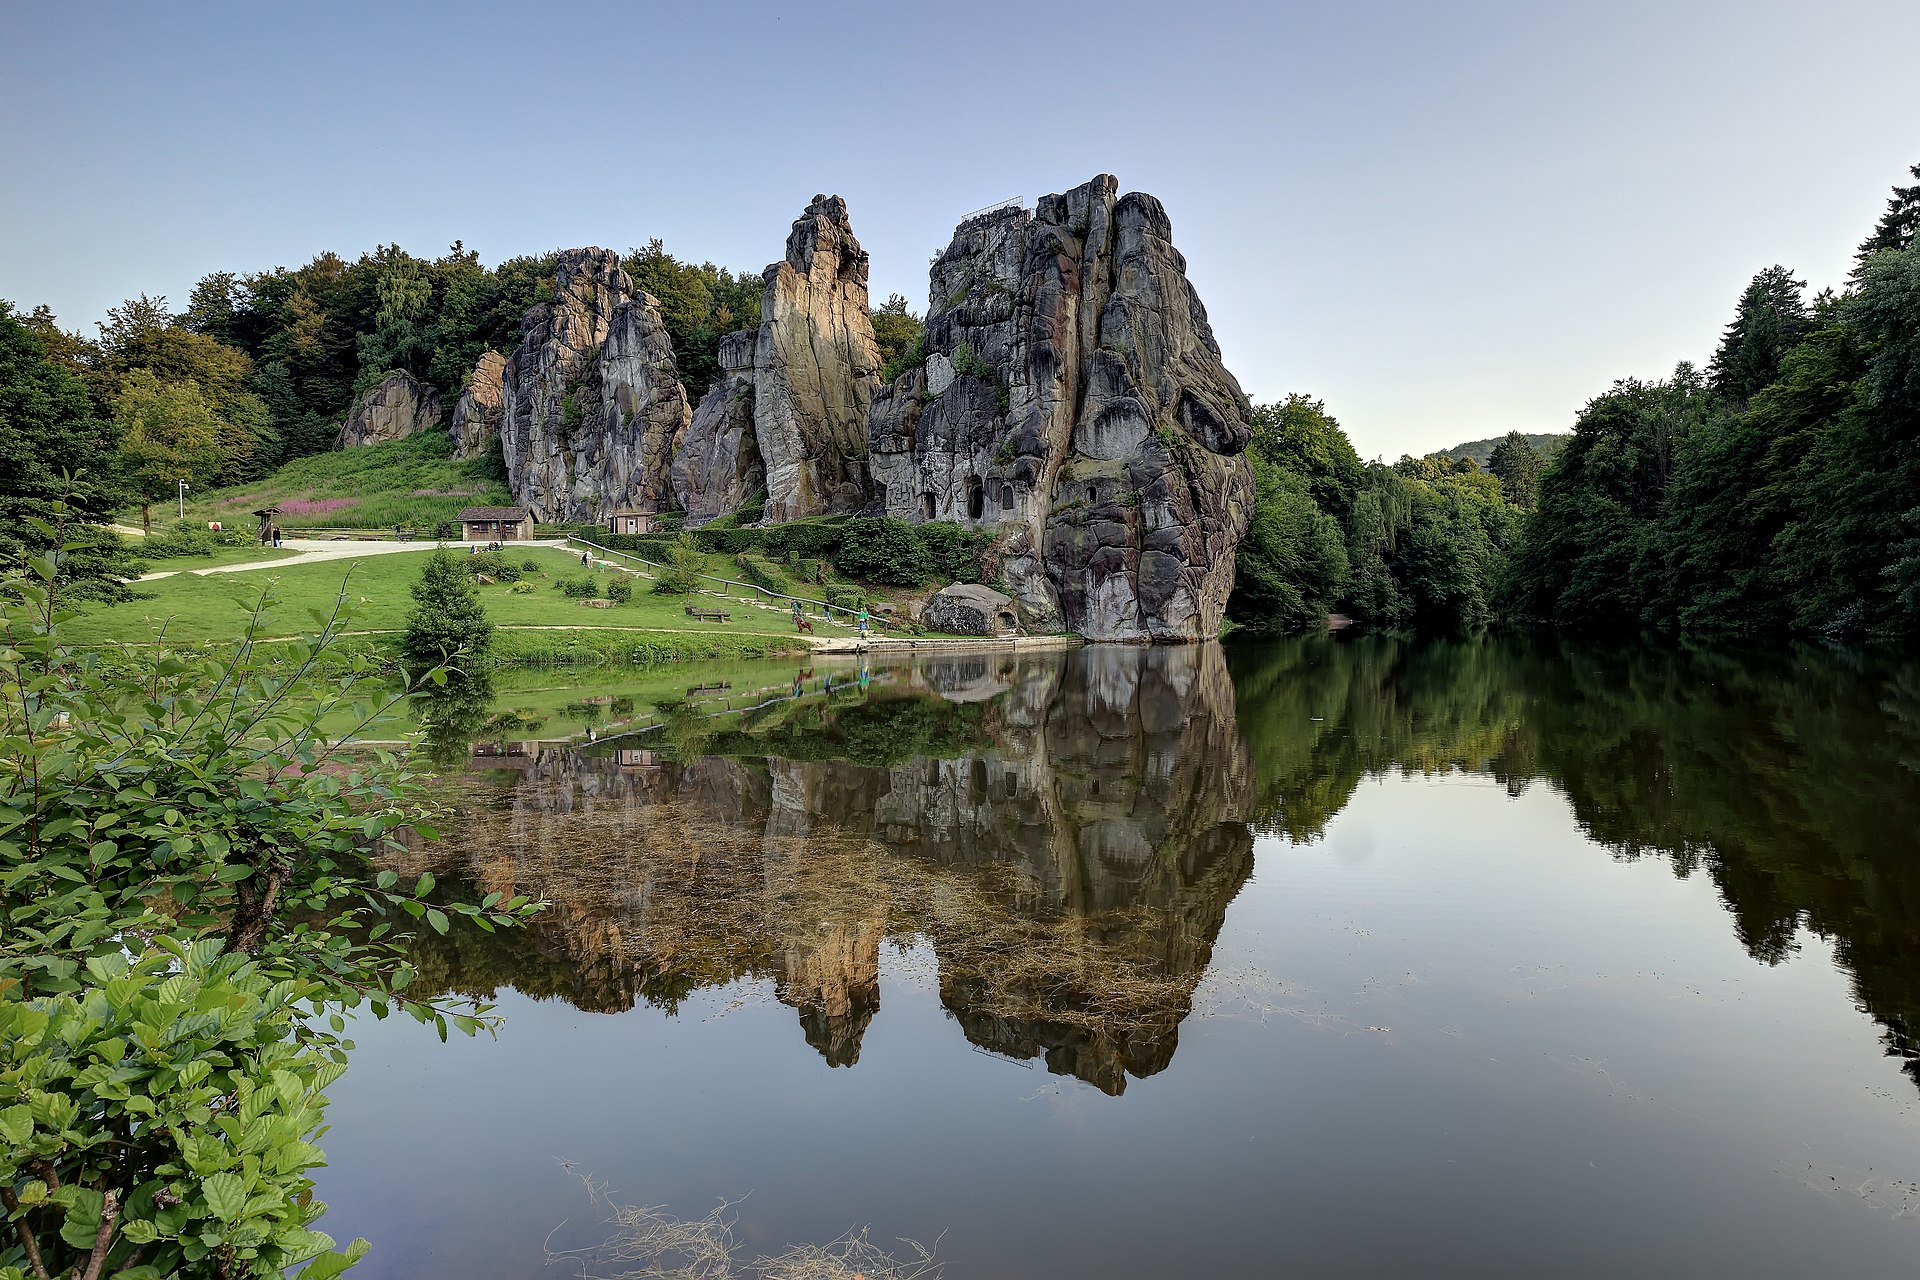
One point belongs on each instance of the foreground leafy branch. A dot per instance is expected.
(190, 905)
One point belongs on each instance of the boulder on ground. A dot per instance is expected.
(969, 609)
(397, 406)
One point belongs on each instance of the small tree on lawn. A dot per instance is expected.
(448, 625)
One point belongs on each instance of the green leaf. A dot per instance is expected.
(437, 918)
(233, 871)
(16, 1125)
(226, 1195)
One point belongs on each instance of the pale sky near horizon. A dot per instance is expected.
(1448, 221)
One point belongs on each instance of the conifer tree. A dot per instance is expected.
(1770, 321)
(1518, 466)
(1898, 226)
(448, 625)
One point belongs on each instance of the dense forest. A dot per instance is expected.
(1776, 489)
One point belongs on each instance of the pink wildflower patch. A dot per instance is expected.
(314, 506)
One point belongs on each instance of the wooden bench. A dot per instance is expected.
(709, 615)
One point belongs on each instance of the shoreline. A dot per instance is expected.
(910, 644)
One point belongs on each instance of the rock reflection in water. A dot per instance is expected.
(1067, 830)
(1064, 830)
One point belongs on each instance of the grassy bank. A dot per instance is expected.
(414, 483)
(538, 623)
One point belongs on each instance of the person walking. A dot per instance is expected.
(863, 622)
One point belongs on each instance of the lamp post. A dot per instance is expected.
(183, 500)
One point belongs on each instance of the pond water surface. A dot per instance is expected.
(1352, 956)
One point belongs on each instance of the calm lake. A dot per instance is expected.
(1344, 955)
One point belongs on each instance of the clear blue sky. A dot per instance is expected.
(1448, 220)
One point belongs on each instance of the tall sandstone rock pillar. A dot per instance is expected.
(1073, 395)
(591, 406)
(815, 368)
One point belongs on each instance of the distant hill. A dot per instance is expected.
(1481, 451)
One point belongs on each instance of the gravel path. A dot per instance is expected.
(316, 551)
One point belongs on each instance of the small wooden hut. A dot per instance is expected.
(496, 524)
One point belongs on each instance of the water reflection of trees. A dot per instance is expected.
(1066, 831)
(1792, 778)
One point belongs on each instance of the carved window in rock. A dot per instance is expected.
(976, 498)
(977, 789)
(926, 504)
(1006, 497)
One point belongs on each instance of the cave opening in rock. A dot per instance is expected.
(926, 504)
(976, 498)
(1091, 496)
(1006, 620)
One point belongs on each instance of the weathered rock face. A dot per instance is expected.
(717, 467)
(1088, 412)
(643, 409)
(476, 415)
(401, 405)
(815, 368)
(969, 609)
(592, 407)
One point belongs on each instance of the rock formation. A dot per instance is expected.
(815, 367)
(969, 609)
(400, 405)
(476, 415)
(789, 412)
(592, 408)
(717, 467)
(642, 410)
(1085, 409)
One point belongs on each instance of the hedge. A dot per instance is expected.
(878, 549)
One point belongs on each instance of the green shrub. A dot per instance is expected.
(188, 539)
(179, 1072)
(953, 550)
(620, 589)
(530, 565)
(494, 565)
(680, 576)
(523, 588)
(817, 538)
(581, 586)
(912, 358)
(967, 363)
(845, 597)
(759, 574)
(881, 549)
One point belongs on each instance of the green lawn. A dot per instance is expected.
(215, 607)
